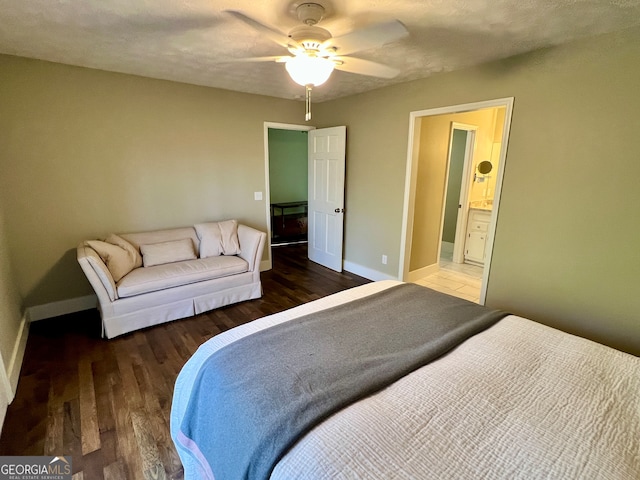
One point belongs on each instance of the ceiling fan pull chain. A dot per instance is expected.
(307, 116)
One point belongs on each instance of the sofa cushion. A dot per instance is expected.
(118, 255)
(167, 252)
(160, 277)
(218, 238)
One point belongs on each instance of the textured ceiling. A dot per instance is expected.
(189, 40)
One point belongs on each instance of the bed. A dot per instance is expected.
(516, 399)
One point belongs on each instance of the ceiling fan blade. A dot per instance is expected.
(368, 37)
(269, 32)
(365, 67)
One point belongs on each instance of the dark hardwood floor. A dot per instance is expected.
(107, 402)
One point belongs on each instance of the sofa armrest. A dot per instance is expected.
(97, 273)
(251, 246)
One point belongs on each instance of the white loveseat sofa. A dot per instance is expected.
(148, 278)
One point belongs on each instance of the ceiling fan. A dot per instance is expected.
(315, 53)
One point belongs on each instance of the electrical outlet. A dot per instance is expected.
(257, 195)
(384, 259)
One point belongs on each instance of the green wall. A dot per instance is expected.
(454, 184)
(288, 165)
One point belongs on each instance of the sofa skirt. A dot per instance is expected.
(115, 323)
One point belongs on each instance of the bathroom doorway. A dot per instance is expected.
(426, 183)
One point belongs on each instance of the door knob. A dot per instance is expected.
(338, 210)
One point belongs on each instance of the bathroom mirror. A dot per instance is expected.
(484, 167)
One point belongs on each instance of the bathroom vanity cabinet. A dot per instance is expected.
(477, 231)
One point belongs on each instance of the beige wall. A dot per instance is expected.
(86, 152)
(566, 247)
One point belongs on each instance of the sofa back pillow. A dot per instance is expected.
(218, 238)
(131, 250)
(159, 236)
(167, 252)
(119, 256)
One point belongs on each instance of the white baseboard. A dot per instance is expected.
(5, 393)
(9, 376)
(3, 409)
(17, 356)
(423, 272)
(62, 307)
(366, 272)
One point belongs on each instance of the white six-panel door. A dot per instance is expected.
(326, 196)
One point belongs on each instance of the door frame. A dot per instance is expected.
(267, 181)
(411, 180)
(469, 150)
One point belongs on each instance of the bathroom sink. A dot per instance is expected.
(482, 204)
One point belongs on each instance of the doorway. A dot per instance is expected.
(280, 179)
(426, 184)
(288, 181)
(324, 211)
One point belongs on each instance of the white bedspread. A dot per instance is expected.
(519, 400)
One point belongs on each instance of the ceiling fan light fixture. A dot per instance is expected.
(306, 70)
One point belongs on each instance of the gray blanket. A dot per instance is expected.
(255, 397)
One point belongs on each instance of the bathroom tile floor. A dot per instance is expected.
(460, 280)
